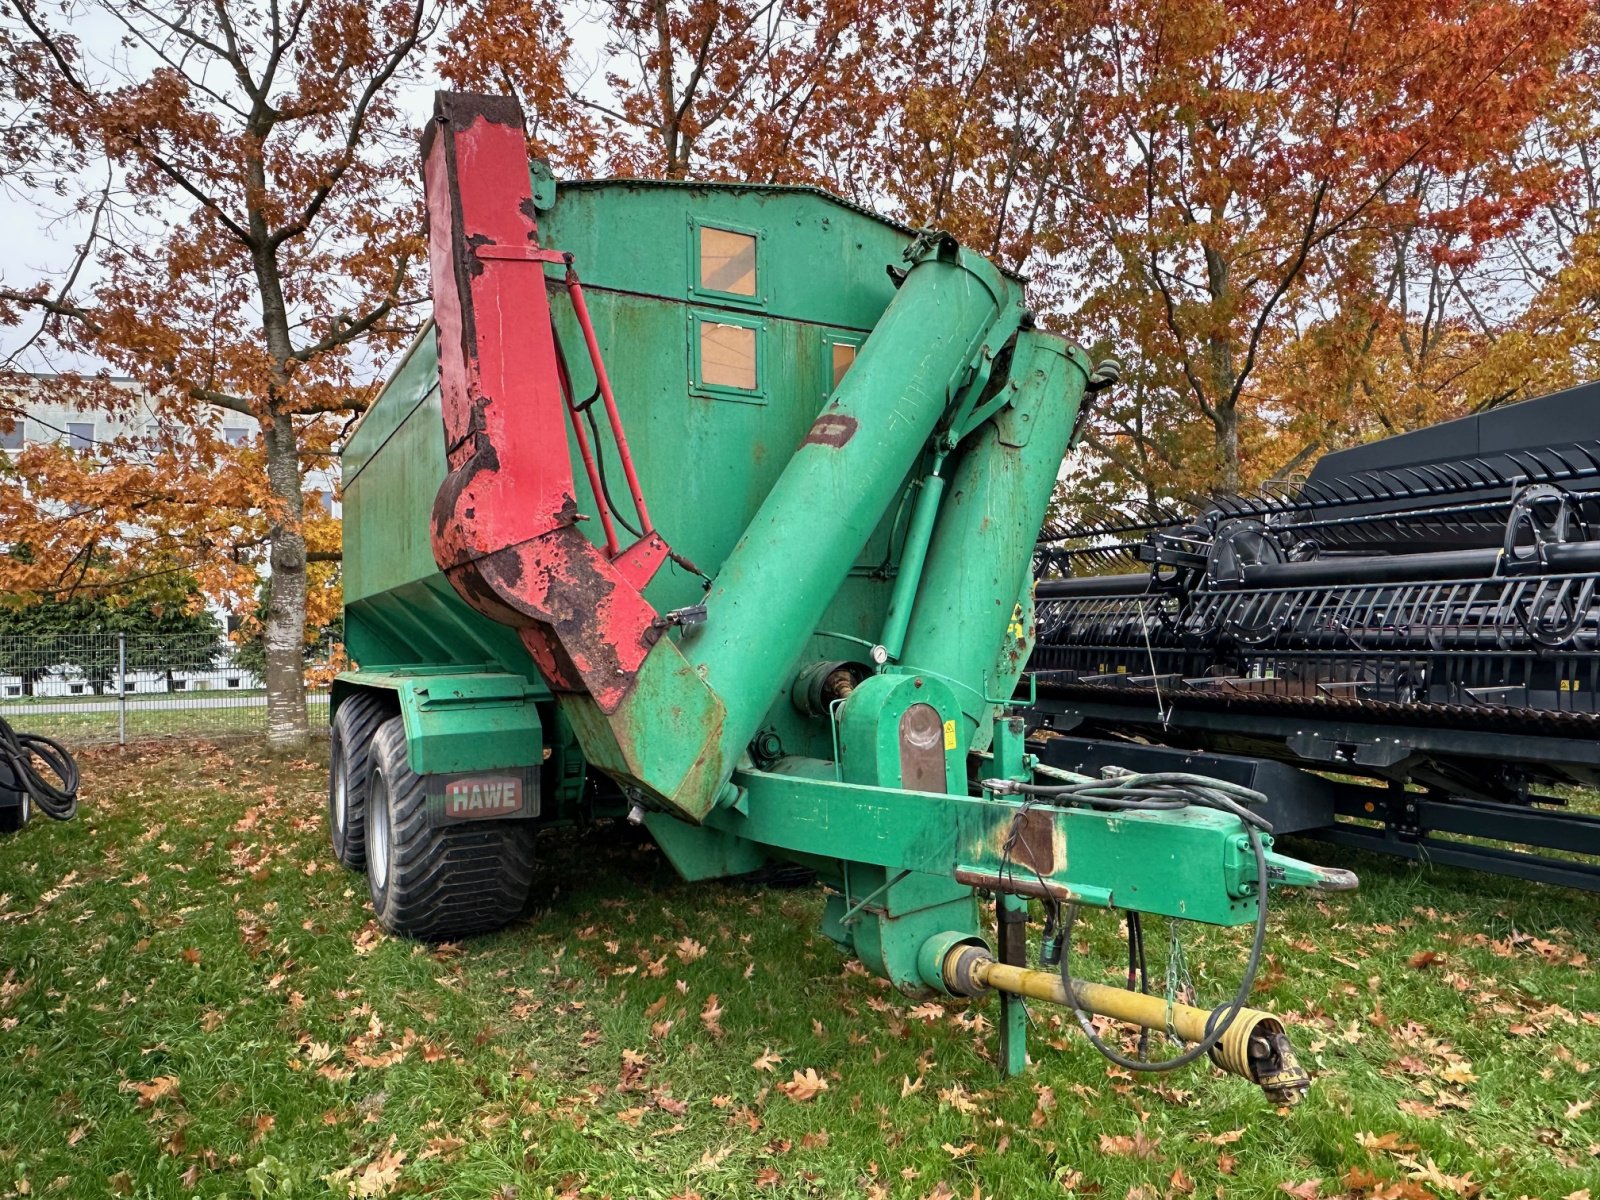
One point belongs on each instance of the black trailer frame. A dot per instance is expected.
(1282, 757)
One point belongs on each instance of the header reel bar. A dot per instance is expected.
(1448, 601)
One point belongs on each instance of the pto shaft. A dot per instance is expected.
(1254, 1046)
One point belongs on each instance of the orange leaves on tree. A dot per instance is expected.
(1256, 172)
(247, 246)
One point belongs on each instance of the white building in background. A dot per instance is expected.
(39, 410)
(68, 681)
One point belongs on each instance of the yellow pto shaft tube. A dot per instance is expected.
(1254, 1046)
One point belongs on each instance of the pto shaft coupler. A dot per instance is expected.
(1254, 1045)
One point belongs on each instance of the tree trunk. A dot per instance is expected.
(285, 632)
(1226, 423)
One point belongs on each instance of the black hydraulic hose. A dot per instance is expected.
(1164, 791)
(33, 758)
(600, 469)
(1093, 585)
(1154, 790)
(1216, 1026)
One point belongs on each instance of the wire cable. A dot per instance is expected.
(1217, 1024)
(33, 759)
(1161, 791)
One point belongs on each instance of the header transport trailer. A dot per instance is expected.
(1403, 647)
(713, 507)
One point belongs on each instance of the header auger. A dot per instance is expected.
(855, 429)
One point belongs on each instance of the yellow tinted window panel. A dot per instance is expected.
(728, 356)
(727, 262)
(844, 355)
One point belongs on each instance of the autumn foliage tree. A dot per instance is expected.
(760, 90)
(243, 178)
(1250, 168)
(955, 113)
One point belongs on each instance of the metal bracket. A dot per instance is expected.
(1319, 747)
(853, 913)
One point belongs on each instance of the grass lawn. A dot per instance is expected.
(193, 1001)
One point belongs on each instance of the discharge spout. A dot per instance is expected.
(794, 556)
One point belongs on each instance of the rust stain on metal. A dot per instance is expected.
(1015, 883)
(832, 429)
(1033, 848)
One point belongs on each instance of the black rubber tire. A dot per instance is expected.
(349, 746)
(443, 882)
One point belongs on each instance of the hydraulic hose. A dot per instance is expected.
(1164, 791)
(44, 769)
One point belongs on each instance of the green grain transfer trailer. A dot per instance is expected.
(713, 507)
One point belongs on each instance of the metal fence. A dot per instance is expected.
(97, 688)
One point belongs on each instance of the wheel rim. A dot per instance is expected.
(378, 832)
(340, 800)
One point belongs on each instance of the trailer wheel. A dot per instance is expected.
(437, 883)
(349, 748)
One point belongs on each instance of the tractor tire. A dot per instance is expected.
(437, 883)
(349, 748)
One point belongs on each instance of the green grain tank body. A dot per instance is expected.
(727, 314)
(848, 433)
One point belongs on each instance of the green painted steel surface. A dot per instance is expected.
(696, 852)
(459, 721)
(660, 743)
(980, 555)
(797, 497)
(871, 748)
(706, 460)
(398, 609)
(841, 482)
(1185, 863)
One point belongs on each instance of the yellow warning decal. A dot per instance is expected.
(949, 735)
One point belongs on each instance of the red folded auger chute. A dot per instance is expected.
(505, 523)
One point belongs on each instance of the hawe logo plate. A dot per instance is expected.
(479, 797)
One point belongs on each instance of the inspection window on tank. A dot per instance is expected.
(726, 356)
(842, 349)
(725, 265)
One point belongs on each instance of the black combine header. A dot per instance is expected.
(1420, 611)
